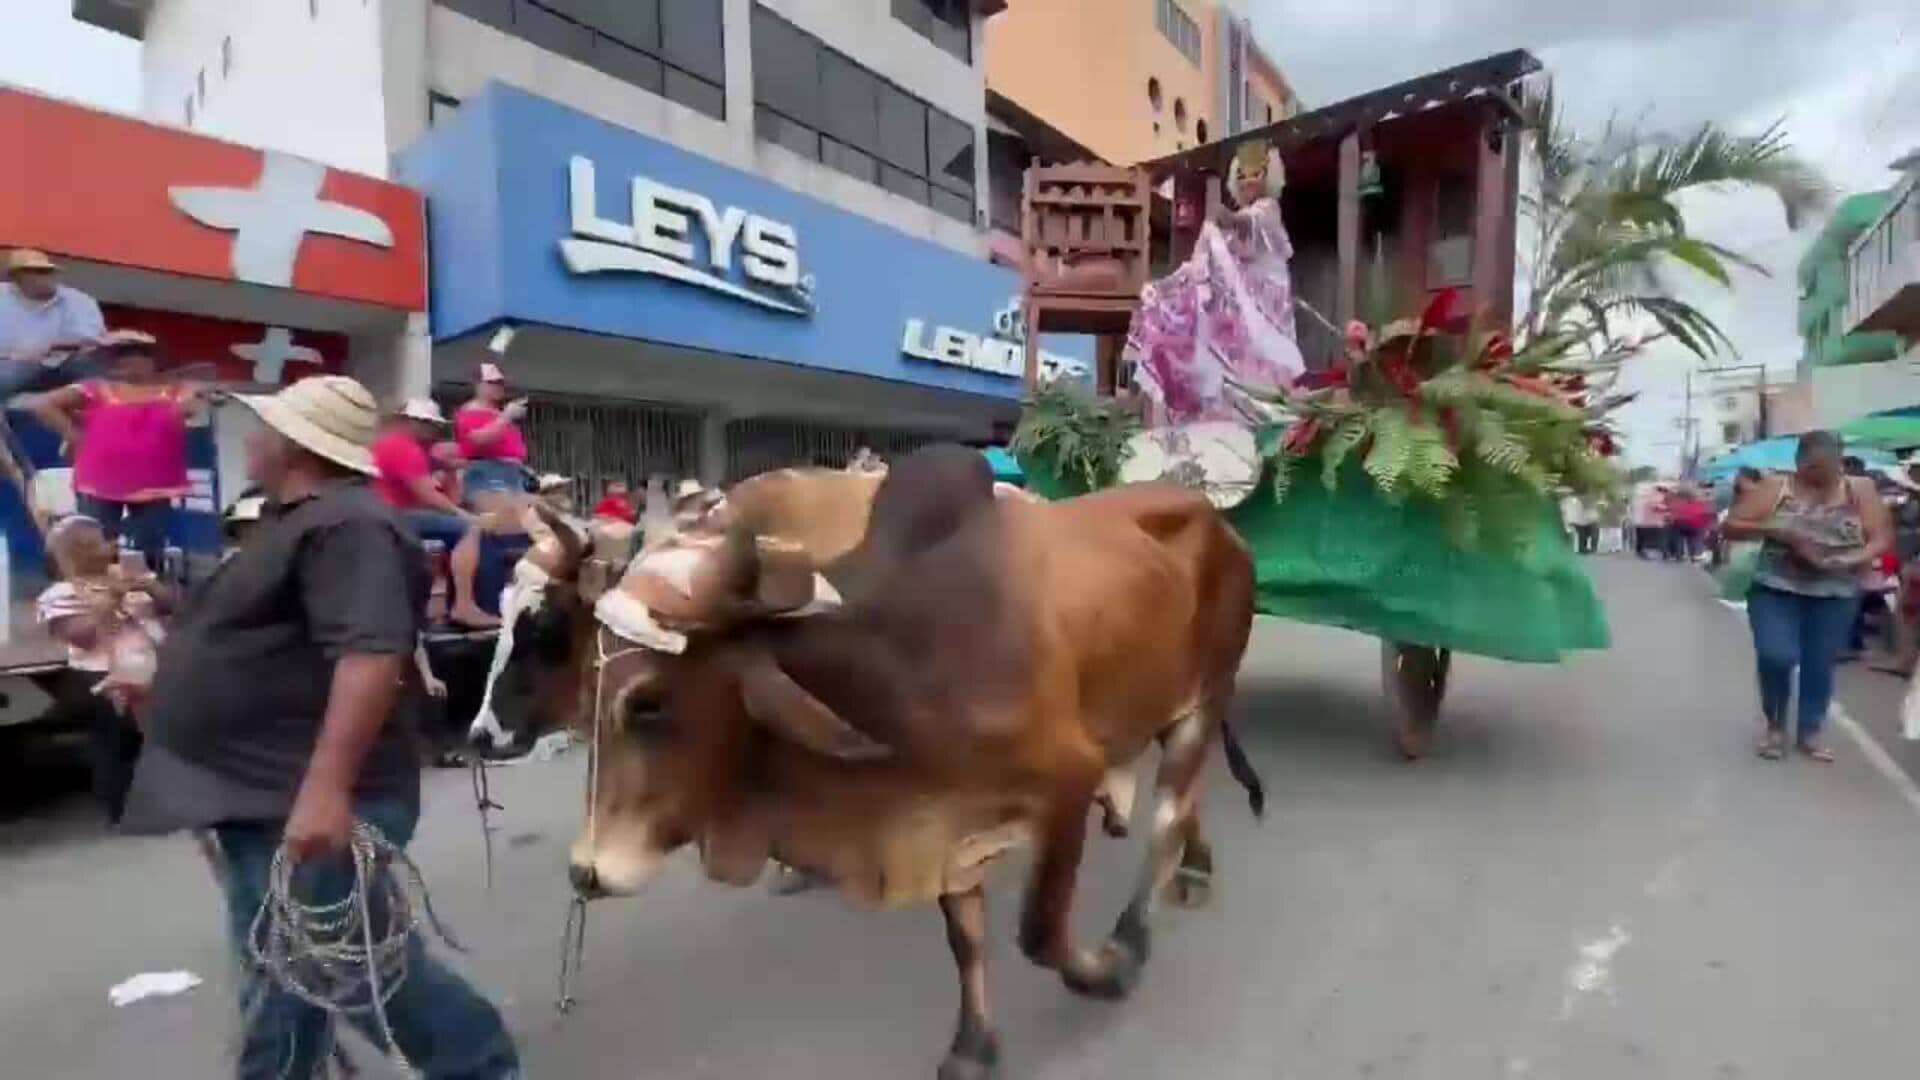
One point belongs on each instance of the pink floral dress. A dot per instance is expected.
(1224, 317)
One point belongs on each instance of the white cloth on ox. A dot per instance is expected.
(622, 610)
(522, 594)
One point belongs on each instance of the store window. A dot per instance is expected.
(673, 48)
(946, 23)
(820, 104)
(1179, 28)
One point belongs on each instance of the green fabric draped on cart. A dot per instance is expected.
(1350, 558)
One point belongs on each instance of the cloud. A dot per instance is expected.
(1840, 76)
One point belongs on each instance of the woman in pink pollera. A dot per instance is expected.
(128, 434)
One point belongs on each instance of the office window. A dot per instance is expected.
(673, 48)
(946, 23)
(820, 104)
(851, 95)
(950, 151)
(200, 88)
(189, 113)
(1200, 130)
(313, 9)
(226, 58)
(1179, 28)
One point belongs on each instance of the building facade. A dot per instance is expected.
(1856, 360)
(249, 267)
(714, 262)
(1134, 80)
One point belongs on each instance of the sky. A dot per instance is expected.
(1843, 75)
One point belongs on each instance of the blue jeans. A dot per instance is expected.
(1807, 632)
(448, 529)
(446, 1029)
(494, 476)
(143, 523)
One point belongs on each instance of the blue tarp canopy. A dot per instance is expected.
(1776, 455)
(1005, 468)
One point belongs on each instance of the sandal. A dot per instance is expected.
(1773, 746)
(1816, 752)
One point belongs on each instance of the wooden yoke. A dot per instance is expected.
(1084, 231)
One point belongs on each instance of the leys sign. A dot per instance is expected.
(660, 242)
(992, 354)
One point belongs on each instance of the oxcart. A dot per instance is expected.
(1399, 479)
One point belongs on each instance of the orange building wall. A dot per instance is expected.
(1083, 66)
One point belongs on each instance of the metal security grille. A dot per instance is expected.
(755, 446)
(592, 442)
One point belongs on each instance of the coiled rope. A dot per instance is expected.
(347, 956)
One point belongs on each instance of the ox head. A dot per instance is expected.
(687, 692)
(546, 611)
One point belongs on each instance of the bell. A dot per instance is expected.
(1370, 185)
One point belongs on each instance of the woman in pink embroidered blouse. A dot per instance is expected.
(128, 434)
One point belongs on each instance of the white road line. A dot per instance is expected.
(1876, 755)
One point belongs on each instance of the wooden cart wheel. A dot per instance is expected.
(1415, 680)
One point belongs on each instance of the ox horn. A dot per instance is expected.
(572, 548)
(785, 707)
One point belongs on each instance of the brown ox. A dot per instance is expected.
(992, 660)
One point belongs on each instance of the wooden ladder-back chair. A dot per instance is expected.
(1084, 231)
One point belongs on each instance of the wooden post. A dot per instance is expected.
(1347, 288)
(1106, 352)
(1493, 232)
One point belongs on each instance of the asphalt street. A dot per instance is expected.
(1593, 877)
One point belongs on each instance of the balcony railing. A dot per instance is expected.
(1884, 269)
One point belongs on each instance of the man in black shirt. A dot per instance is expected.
(272, 719)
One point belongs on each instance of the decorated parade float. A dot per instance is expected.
(1311, 321)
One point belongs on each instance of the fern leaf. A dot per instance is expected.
(1351, 433)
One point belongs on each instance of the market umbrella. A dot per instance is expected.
(1004, 467)
(1893, 430)
(1776, 455)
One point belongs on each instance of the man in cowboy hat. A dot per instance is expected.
(272, 720)
(39, 317)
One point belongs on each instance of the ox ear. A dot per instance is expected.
(785, 708)
(555, 540)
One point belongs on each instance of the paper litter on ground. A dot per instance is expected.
(152, 984)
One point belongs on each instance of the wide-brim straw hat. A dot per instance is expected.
(29, 261)
(331, 415)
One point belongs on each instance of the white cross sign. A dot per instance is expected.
(271, 218)
(269, 355)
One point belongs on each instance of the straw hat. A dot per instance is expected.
(424, 409)
(331, 415)
(132, 340)
(28, 261)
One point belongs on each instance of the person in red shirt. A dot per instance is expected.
(487, 430)
(617, 504)
(405, 480)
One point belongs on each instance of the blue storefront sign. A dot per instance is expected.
(541, 214)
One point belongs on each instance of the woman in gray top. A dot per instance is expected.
(1819, 531)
